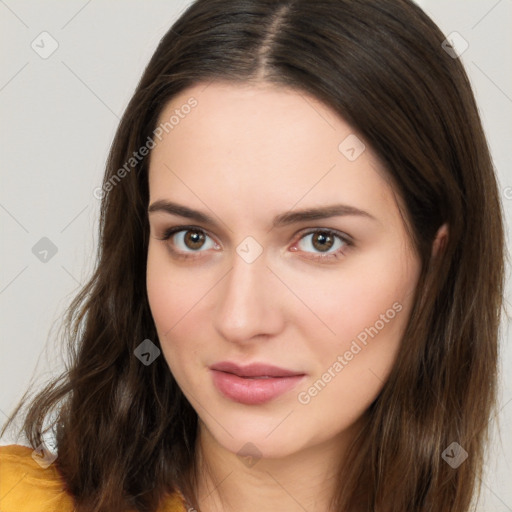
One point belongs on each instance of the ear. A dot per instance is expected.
(440, 241)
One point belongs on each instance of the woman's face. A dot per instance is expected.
(281, 296)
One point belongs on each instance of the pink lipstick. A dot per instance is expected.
(253, 384)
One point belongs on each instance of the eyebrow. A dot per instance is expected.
(284, 219)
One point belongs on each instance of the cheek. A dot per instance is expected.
(162, 291)
(168, 295)
(176, 299)
(361, 313)
(172, 292)
(369, 318)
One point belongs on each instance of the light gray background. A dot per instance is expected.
(58, 117)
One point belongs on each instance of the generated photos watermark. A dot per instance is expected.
(147, 352)
(356, 346)
(143, 151)
(454, 455)
(44, 455)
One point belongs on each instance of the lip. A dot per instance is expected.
(253, 384)
(254, 370)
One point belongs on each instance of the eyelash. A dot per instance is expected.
(314, 256)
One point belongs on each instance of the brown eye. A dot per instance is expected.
(322, 241)
(190, 240)
(194, 239)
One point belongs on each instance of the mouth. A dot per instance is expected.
(254, 384)
(255, 370)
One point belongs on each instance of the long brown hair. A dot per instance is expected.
(126, 434)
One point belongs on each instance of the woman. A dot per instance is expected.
(298, 290)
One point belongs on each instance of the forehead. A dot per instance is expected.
(262, 147)
(266, 120)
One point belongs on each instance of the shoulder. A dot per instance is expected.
(29, 481)
(174, 503)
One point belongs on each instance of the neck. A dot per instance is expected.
(304, 480)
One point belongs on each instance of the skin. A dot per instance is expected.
(244, 155)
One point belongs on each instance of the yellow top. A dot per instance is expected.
(29, 483)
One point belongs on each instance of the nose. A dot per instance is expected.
(249, 306)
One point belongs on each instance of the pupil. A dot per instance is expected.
(323, 241)
(194, 239)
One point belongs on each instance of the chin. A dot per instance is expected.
(252, 440)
